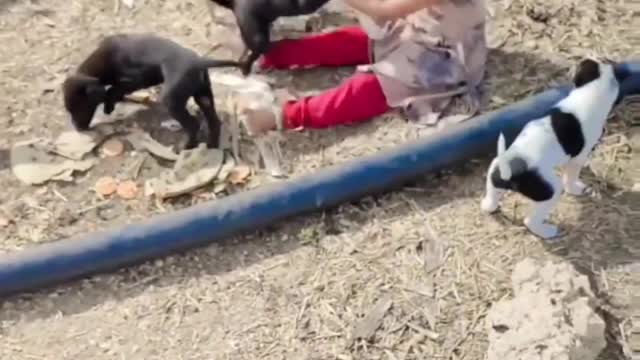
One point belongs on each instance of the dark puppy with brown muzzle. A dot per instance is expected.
(124, 63)
(254, 18)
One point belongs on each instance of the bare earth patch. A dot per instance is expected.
(406, 275)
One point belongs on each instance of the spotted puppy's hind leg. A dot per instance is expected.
(493, 195)
(571, 177)
(545, 188)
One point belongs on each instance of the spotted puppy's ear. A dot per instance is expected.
(588, 70)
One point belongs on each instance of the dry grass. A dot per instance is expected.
(405, 275)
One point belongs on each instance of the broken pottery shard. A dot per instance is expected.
(227, 168)
(549, 317)
(192, 170)
(144, 97)
(106, 186)
(75, 145)
(35, 166)
(269, 148)
(124, 109)
(219, 187)
(143, 141)
(171, 125)
(225, 140)
(256, 93)
(367, 326)
(112, 147)
(239, 174)
(300, 23)
(127, 190)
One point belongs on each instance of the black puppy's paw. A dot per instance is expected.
(213, 144)
(189, 144)
(245, 68)
(108, 108)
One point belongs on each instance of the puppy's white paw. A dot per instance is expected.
(489, 205)
(542, 230)
(575, 188)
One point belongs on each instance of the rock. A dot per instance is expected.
(127, 190)
(106, 186)
(112, 147)
(75, 145)
(549, 317)
(193, 169)
(35, 166)
(143, 141)
(366, 328)
(239, 174)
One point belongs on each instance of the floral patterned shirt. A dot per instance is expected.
(432, 56)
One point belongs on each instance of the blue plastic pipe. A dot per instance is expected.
(52, 263)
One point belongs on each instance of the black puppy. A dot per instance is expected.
(124, 63)
(254, 18)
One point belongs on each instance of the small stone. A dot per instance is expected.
(106, 186)
(112, 147)
(239, 174)
(127, 190)
(549, 317)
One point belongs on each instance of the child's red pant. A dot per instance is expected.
(359, 98)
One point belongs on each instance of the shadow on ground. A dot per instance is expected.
(5, 159)
(6, 4)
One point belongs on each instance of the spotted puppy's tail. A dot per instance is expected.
(503, 166)
(213, 63)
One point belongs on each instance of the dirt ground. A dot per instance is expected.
(422, 263)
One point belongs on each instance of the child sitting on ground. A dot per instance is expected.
(429, 52)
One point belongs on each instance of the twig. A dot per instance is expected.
(301, 312)
(464, 337)
(95, 206)
(432, 335)
(62, 197)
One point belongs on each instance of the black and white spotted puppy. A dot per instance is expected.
(564, 138)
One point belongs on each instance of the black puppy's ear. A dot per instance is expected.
(588, 70)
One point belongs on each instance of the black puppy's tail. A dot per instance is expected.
(213, 63)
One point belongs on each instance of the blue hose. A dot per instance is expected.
(52, 263)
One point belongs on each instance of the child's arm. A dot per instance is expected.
(389, 10)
